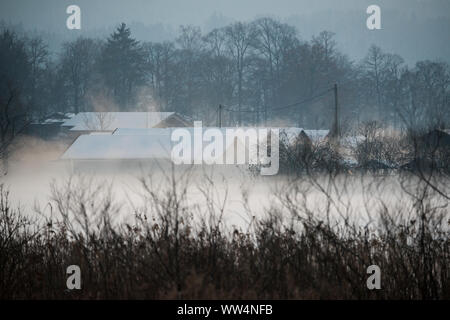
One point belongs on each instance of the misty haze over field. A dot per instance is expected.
(212, 149)
(414, 29)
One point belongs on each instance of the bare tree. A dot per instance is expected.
(374, 64)
(425, 96)
(13, 120)
(78, 62)
(273, 41)
(14, 71)
(38, 55)
(162, 73)
(98, 121)
(240, 36)
(191, 47)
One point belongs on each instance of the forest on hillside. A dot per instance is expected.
(253, 69)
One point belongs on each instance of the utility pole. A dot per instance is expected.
(336, 115)
(220, 116)
(265, 114)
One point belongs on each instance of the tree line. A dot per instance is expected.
(252, 68)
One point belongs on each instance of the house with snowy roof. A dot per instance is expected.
(136, 144)
(48, 127)
(87, 122)
(156, 143)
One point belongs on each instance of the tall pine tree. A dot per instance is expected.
(121, 65)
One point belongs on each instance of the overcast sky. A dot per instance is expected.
(415, 29)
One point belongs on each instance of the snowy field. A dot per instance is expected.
(241, 194)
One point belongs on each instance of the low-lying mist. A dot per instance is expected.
(153, 230)
(241, 194)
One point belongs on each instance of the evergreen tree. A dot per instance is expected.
(122, 66)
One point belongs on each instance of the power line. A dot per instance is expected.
(303, 101)
(310, 99)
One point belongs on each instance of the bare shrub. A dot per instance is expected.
(379, 148)
(311, 243)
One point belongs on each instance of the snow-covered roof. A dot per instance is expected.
(54, 118)
(133, 144)
(109, 121)
(144, 131)
(150, 143)
(291, 133)
(103, 147)
(316, 135)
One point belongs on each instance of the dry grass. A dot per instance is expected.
(166, 255)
